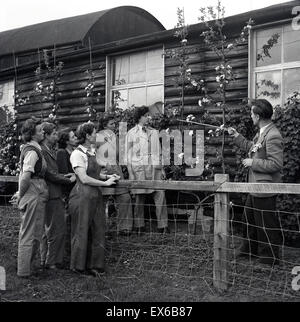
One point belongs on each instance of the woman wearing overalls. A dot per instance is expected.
(86, 206)
(31, 197)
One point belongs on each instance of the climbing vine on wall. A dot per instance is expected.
(48, 74)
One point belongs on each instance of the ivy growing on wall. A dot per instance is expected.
(287, 119)
(9, 147)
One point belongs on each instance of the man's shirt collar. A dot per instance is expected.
(262, 129)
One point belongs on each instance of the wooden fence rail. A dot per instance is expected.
(209, 186)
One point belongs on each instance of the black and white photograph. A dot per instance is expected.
(150, 154)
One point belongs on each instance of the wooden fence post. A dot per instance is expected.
(221, 237)
(2, 279)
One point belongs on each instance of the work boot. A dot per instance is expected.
(96, 272)
(164, 230)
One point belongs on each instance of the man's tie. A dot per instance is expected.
(256, 138)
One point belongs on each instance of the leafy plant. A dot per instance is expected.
(265, 50)
(92, 95)
(272, 89)
(287, 119)
(89, 90)
(47, 77)
(9, 147)
(215, 40)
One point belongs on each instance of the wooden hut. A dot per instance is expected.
(120, 53)
(72, 41)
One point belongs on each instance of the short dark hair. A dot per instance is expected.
(83, 130)
(263, 108)
(29, 128)
(63, 138)
(139, 112)
(48, 127)
(103, 121)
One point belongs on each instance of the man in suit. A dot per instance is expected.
(264, 164)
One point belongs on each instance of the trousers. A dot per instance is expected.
(263, 232)
(123, 205)
(87, 227)
(53, 242)
(160, 205)
(32, 210)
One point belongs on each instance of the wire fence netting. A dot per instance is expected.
(182, 258)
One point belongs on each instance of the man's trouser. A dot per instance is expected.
(263, 233)
(32, 208)
(160, 205)
(123, 205)
(53, 243)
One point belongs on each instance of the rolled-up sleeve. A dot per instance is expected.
(78, 159)
(29, 162)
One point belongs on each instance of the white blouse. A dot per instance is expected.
(79, 158)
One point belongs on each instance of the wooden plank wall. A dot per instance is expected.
(72, 96)
(202, 63)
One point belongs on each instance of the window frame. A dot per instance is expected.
(13, 105)
(282, 66)
(110, 88)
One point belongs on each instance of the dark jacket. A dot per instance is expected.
(64, 166)
(63, 161)
(267, 159)
(54, 179)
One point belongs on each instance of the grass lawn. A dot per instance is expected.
(152, 267)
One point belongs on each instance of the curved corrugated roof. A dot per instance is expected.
(101, 27)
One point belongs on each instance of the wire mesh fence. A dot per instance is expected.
(261, 267)
(186, 259)
(188, 252)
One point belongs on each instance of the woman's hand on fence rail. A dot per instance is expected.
(112, 178)
(115, 176)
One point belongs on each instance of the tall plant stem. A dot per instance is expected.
(55, 79)
(40, 69)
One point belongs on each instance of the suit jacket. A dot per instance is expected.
(267, 154)
(53, 178)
